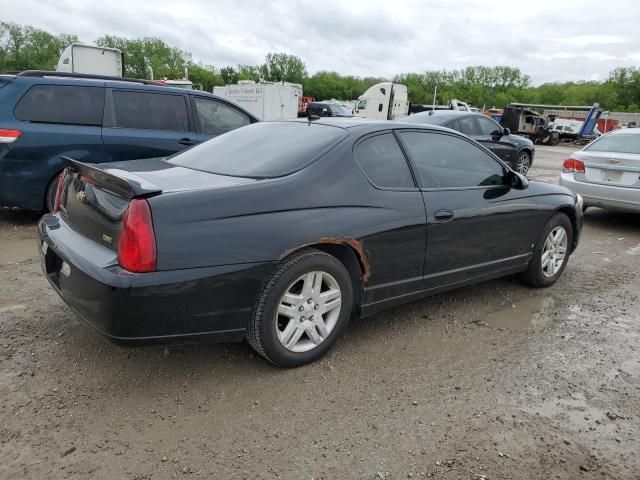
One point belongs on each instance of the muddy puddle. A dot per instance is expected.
(17, 250)
(533, 313)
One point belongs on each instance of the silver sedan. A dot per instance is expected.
(606, 173)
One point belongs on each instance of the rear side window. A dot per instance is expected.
(383, 162)
(150, 111)
(66, 104)
(215, 118)
(262, 150)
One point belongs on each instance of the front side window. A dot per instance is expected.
(216, 118)
(447, 161)
(383, 162)
(488, 127)
(62, 104)
(362, 105)
(468, 126)
(150, 111)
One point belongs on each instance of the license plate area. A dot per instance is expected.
(611, 176)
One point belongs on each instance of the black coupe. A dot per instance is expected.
(279, 232)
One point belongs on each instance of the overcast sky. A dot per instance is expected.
(550, 40)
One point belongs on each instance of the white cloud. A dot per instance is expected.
(549, 41)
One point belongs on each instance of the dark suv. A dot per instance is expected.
(44, 115)
(515, 150)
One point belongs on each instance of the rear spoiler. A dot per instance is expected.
(120, 182)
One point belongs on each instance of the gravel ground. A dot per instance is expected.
(495, 381)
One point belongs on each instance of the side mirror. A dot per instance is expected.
(325, 113)
(506, 131)
(517, 181)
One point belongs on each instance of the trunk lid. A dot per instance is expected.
(609, 168)
(95, 197)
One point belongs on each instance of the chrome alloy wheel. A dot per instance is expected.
(308, 311)
(554, 252)
(523, 163)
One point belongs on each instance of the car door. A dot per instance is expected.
(396, 244)
(477, 225)
(490, 134)
(213, 117)
(144, 124)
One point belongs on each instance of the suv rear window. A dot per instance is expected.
(62, 104)
(150, 111)
(262, 150)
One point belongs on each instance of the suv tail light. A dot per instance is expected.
(137, 245)
(59, 189)
(572, 165)
(9, 136)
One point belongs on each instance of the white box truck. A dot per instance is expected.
(383, 101)
(92, 60)
(266, 100)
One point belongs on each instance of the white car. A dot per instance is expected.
(606, 173)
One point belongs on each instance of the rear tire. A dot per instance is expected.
(50, 194)
(302, 309)
(551, 253)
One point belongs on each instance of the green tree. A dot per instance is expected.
(229, 75)
(282, 67)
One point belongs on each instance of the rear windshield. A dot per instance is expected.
(621, 142)
(262, 150)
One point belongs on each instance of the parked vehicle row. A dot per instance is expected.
(46, 115)
(280, 232)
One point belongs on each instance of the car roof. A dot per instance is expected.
(371, 124)
(438, 117)
(625, 131)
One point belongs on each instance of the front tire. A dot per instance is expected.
(304, 306)
(523, 162)
(551, 253)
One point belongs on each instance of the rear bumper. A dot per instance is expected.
(604, 196)
(209, 303)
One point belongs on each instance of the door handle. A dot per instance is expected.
(186, 141)
(443, 215)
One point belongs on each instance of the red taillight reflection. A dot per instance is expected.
(572, 165)
(137, 245)
(59, 190)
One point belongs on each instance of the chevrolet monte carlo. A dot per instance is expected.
(280, 232)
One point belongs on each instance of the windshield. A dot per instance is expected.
(340, 111)
(261, 150)
(621, 142)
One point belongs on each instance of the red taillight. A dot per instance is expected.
(137, 246)
(572, 165)
(9, 136)
(59, 189)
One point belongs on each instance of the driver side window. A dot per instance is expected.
(448, 161)
(488, 127)
(216, 118)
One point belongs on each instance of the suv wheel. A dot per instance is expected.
(523, 162)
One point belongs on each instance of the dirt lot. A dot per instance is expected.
(495, 381)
